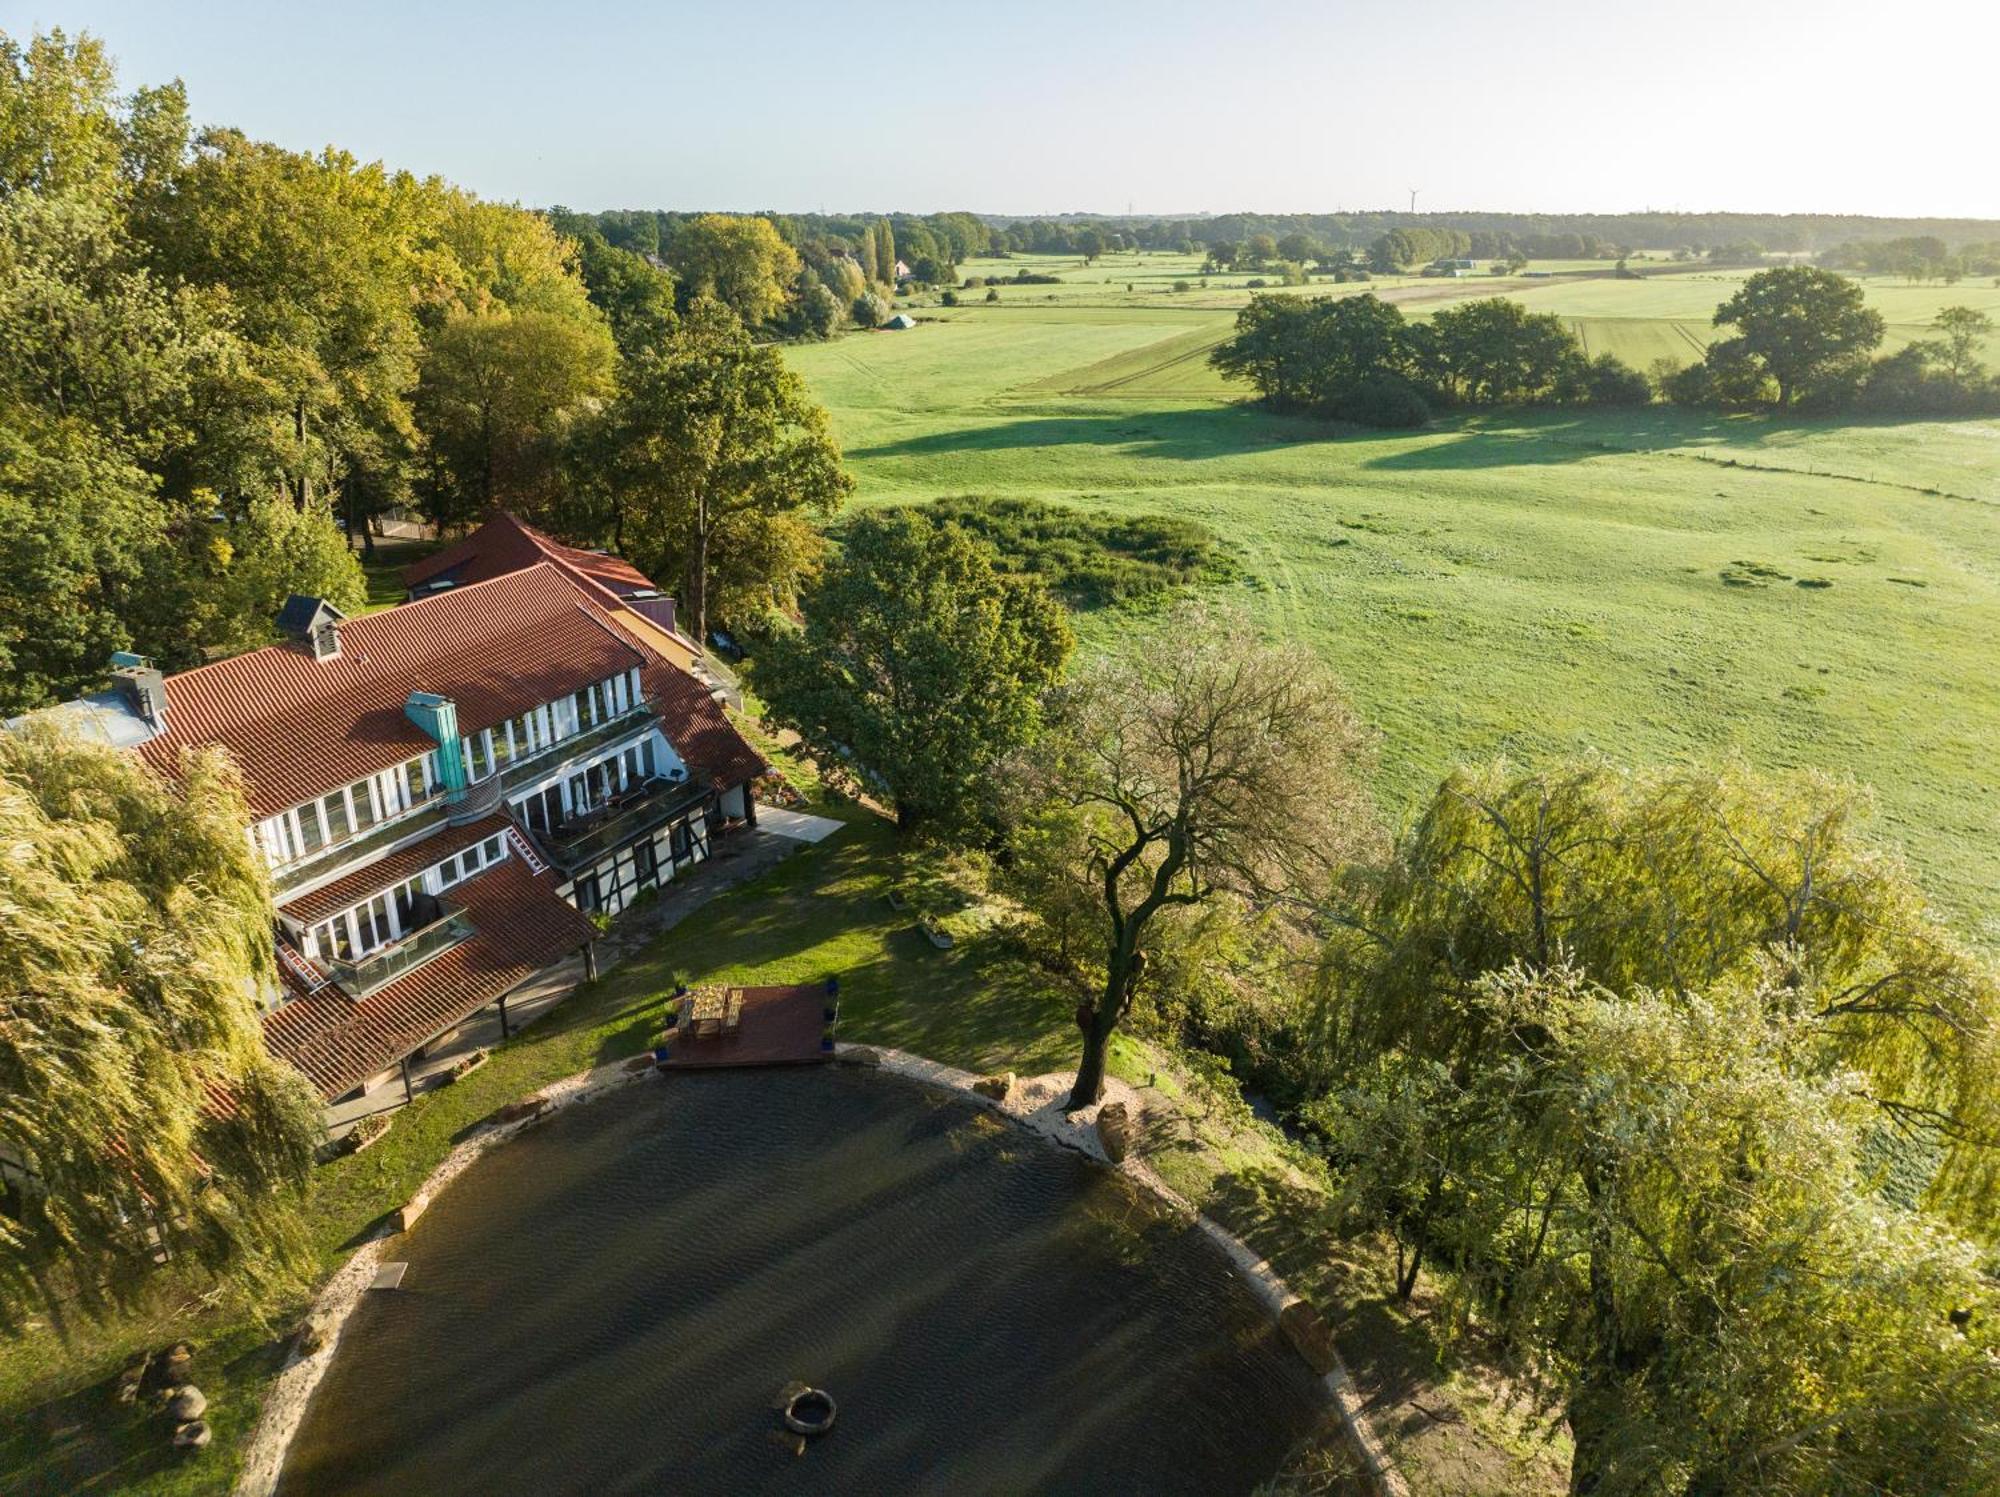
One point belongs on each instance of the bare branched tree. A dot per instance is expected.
(1212, 766)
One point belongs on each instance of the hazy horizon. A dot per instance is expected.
(1161, 109)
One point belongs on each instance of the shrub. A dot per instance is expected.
(870, 310)
(1182, 286)
(1728, 377)
(949, 299)
(1090, 560)
(1255, 283)
(1388, 403)
(1613, 382)
(817, 312)
(993, 293)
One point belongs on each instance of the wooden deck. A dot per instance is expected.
(778, 1026)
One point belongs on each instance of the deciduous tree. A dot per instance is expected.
(920, 664)
(741, 262)
(501, 392)
(716, 462)
(1208, 765)
(1963, 331)
(1806, 326)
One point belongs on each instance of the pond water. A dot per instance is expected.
(612, 1302)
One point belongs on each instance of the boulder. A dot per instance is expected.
(309, 1339)
(193, 1435)
(1114, 1131)
(640, 1063)
(189, 1403)
(126, 1389)
(999, 1086)
(1309, 1336)
(175, 1363)
(412, 1209)
(860, 1055)
(527, 1107)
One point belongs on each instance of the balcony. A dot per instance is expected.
(479, 799)
(416, 821)
(582, 840)
(378, 969)
(524, 768)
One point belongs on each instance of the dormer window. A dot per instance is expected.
(313, 622)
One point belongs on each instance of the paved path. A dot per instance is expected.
(738, 858)
(796, 824)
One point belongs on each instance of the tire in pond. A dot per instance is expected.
(810, 1412)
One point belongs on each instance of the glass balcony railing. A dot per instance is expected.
(368, 974)
(584, 839)
(524, 767)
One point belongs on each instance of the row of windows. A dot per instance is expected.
(348, 811)
(480, 855)
(394, 913)
(353, 809)
(491, 750)
(613, 885)
(548, 808)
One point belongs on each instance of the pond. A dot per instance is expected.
(613, 1301)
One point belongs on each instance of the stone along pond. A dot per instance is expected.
(613, 1301)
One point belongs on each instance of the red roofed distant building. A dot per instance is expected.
(445, 791)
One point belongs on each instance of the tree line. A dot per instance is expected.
(1357, 358)
(1567, 236)
(1665, 1082)
(222, 362)
(1801, 338)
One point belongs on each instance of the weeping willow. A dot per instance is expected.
(141, 1119)
(1676, 880)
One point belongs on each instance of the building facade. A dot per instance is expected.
(447, 792)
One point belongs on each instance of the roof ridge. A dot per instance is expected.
(401, 611)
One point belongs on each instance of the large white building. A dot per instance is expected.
(447, 790)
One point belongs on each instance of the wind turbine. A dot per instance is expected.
(1413, 200)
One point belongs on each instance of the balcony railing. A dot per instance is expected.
(403, 826)
(378, 969)
(582, 840)
(525, 767)
(482, 798)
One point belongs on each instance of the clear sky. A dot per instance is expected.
(1025, 106)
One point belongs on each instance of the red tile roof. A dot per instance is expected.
(699, 729)
(506, 544)
(299, 727)
(386, 873)
(522, 926)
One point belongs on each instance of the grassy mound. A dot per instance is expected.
(1092, 560)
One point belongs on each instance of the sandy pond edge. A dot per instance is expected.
(1035, 1104)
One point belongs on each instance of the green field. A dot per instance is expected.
(1527, 585)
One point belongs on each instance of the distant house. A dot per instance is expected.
(901, 322)
(903, 271)
(1451, 268)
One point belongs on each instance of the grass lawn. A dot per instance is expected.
(1624, 583)
(384, 570)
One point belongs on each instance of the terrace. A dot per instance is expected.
(369, 974)
(581, 840)
(526, 767)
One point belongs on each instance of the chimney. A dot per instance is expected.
(313, 622)
(144, 688)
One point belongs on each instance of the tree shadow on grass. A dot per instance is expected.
(88, 1440)
(1531, 438)
(1186, 434)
